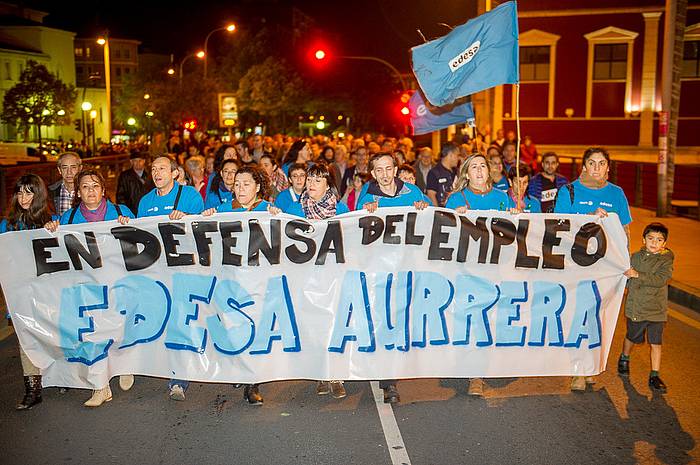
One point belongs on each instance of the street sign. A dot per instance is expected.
(228, 110)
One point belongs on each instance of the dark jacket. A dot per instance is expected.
(130, 188)
(421, 181)
(54, 192)
(647, 296)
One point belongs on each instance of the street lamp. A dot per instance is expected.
(104, 41)
(199, 55)
(229, 28)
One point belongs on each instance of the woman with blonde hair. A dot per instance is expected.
(474, 189)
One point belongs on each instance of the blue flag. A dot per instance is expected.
(480, 54)
(425, 118)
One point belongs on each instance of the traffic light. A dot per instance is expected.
(319, 55)
(403, 106)
(78, 124)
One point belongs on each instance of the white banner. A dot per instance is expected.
(252, 298)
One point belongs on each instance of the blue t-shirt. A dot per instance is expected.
(406, 195)
(502, 184)
(610, 198)
(286, 197)
(492, 200)
(296, 209)
(6, 227)
(227, 207)
(214, 199)
(110, 214)
(153, 204)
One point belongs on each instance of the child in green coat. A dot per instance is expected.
(647, 300)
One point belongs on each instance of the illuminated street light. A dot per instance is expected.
(131, 121)
(93, 114)
(171, 71)
(200, 54)
(86, 106)
(320, 125)
(228, 28)
(146, 96)
(61, 112)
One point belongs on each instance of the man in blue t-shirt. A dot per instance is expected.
(441, 177)
(168, 198)
(172, 199)
(386, 190)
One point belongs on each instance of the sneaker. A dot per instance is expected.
(99, 397)
(323, 388)
(578, 384)
(337, 389)
(656, 384)
(126, 382)
(252, 395)
(391, 395)
(623, 367)
(476, 387)
(177, 393)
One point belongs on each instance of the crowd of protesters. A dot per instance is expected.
(315, 178)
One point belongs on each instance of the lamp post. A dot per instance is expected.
(230, 28)
(85, 106)
(199, 55)
(93, 115)
(104, 41)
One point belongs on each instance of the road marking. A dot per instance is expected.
(685, 319)
(394, 441)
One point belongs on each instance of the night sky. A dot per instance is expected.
(384, 28)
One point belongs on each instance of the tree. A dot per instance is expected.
(273, 91)
(39, 98)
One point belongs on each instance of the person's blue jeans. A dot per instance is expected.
(179, 382)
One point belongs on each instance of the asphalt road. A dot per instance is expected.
(518, 421)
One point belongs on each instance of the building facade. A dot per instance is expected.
(591, 74)
(90, 63)
(23, 37)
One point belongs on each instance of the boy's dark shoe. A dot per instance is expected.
(656, 384)
(623, 367)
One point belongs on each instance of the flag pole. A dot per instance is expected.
(517, 138)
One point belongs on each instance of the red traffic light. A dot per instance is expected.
(320, 54)
(405, 111)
